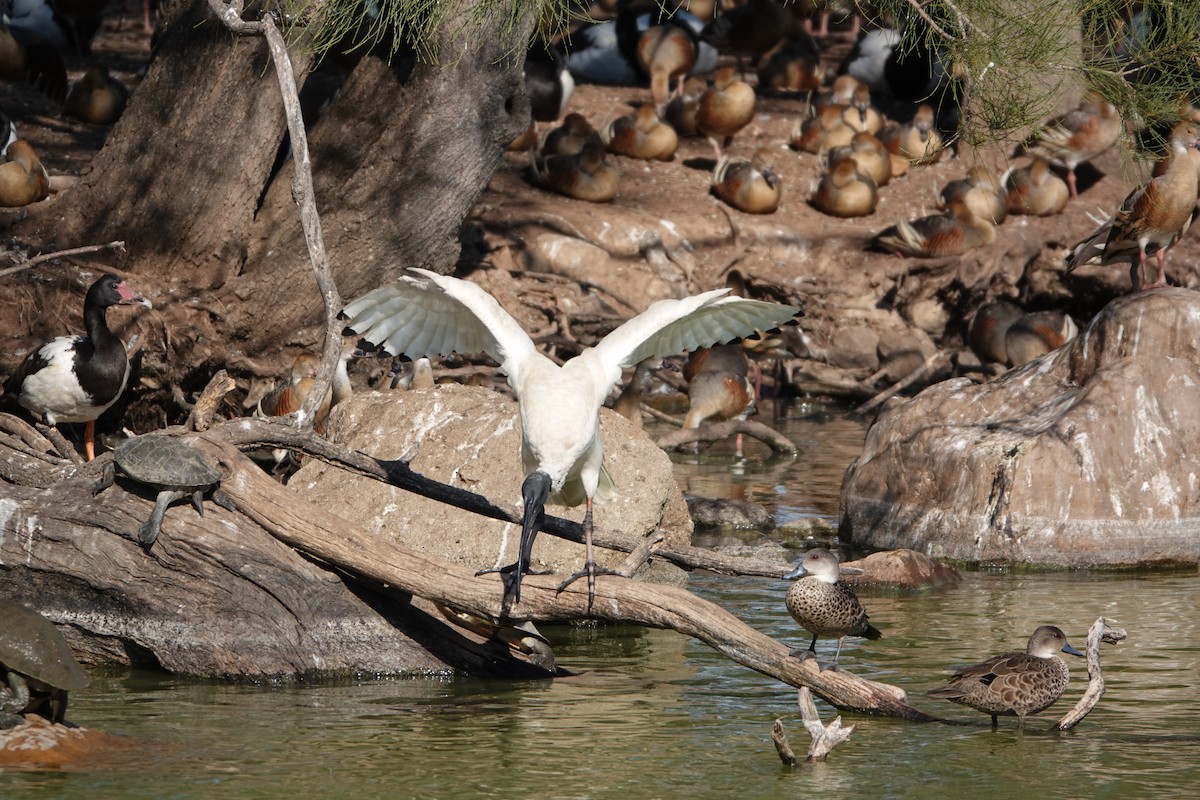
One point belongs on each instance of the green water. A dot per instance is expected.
(655, 715)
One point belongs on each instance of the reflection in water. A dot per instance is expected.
(794, 489)
(653, 714)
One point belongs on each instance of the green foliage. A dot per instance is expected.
(434, 29)
(1018, 57)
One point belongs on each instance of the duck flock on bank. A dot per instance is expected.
(43, 43)
(709, 66)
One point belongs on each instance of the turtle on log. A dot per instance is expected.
(172, 467)
(37, 667)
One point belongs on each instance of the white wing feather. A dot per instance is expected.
(670, 327)
(434, 316)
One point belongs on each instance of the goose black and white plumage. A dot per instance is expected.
(547, 82)
(607, 53)
(77, 378)
(426, 314)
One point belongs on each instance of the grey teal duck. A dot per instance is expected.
(823, 605)
(1014, 684)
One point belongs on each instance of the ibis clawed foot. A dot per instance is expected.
(590, 569)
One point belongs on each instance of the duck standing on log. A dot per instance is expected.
(823, 605)
(427, 314)
(77, 378)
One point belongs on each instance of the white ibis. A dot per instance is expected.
(429, 314)
(77, 378)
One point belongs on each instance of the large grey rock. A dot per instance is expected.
(469, 437)
(1089, 455)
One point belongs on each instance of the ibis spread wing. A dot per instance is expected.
(433, 315)
(670, 327)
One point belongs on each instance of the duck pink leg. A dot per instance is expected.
(1071, 183)
(89, 439)
(1161, 281)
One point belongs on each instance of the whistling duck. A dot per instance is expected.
(751, 186)
(840, 93)
(821, 133)
(988, 328)
(680, 112)
(78, 378)
(917, 141)
(24, 55)
(569, 138)
(1034, 189)
(794, 66)
(585, 176)
(1002, 333)
(872, 157)
(846, 191)
(966, 225)
(980, 177)
(97, 98)
(1014, 684)
(1151, 219)
(288, 398)
(718, 387)
(725, 108)
(23, 179)
(860, 114)
(629, 403)
(607, 53)
(753, 29)
(559, 405)
(1035, 334)
(1077, 136)
(641, 135)
(823, 605)
(667, 53)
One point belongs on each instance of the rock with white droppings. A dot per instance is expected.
(1080, 457)
(469, 437)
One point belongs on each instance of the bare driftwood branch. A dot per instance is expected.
(1099, 632)
(26, 263)
(824, 737)
(782, 746)
(250, 433)
(205, 409)
(329, 538)
(931, 363)
(723, 430)
(302, 193)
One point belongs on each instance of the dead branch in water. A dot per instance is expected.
(723, 430)
(1099, 632)
(314, 530)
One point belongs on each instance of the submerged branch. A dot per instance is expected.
(1099, 632)
(287, 516)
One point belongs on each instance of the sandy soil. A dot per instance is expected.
(666, 234)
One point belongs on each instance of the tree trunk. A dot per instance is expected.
(180, 176)
(188, 180)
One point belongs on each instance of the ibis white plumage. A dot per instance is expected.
(427, 314)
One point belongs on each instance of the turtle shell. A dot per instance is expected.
(32, 646)
(165, 461)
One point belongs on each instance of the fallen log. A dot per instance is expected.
(177, 617)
